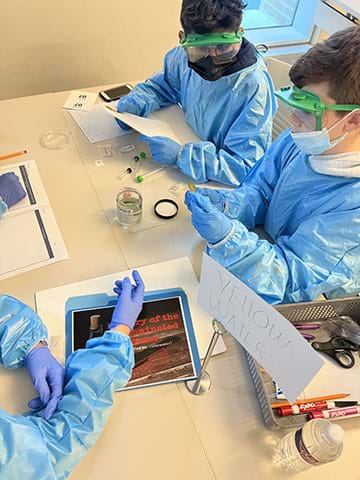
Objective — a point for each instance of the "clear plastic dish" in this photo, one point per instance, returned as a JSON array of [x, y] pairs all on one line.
[[54, 140]]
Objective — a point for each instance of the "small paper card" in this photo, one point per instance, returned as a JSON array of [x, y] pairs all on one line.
[[78, 100], [268, 336]]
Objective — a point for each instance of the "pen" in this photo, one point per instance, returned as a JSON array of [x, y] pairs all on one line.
[[336, 413], [307, 326], [305, 408], [335, 396], [349, 403], [313, 407], [308, 337], [12, 155]]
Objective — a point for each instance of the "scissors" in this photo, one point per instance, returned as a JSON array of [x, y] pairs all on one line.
[[340, 349]]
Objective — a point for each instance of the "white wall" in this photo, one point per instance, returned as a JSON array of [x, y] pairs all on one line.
[[59, 45]]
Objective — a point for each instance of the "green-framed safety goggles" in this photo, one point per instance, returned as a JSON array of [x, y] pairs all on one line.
[[206, 39], [310, 103], [222, 47]]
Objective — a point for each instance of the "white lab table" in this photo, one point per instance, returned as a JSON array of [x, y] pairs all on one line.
[[157, 433]]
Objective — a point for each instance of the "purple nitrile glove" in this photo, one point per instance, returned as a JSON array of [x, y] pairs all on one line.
[[130, 301], [11, 190], [211, 224], [127, 104], [163, 150], [48, 377]]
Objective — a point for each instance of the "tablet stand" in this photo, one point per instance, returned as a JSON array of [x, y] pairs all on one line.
[[202, 385]]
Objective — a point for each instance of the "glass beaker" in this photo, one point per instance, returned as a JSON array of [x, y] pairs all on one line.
[[129, 207]]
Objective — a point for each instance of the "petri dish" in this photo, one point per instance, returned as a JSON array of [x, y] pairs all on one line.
[[55, 140]]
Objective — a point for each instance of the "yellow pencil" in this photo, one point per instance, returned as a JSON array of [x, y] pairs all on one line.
[[335, 396], [12, 155]]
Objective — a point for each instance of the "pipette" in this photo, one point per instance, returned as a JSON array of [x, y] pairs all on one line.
[[124, 173], [141, 178]]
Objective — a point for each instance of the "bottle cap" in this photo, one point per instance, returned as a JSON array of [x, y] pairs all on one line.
[[334, 433], [142, 155]]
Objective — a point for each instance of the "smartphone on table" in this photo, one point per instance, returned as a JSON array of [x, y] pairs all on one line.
[[115, 93]]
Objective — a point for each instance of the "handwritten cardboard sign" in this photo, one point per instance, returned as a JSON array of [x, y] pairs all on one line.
[[259, 328]]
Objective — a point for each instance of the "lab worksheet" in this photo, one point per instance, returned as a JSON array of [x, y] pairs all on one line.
[[29, 235], [97, 125], [147, 126]]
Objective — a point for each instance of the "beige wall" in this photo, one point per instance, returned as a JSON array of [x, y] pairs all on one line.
[[59, 45]]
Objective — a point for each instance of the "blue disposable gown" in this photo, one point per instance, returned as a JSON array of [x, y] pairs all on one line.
[[33, 448], [233, 116], [313, 220]]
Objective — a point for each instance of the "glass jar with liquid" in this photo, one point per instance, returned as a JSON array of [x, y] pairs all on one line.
[[129, 207]]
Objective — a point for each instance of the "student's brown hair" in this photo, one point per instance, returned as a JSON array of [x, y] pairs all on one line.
[[337, 61]]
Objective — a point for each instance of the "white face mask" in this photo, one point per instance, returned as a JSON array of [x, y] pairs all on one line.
[[317, 142]]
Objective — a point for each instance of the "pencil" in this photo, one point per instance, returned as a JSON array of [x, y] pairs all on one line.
[[12, 155], [335, 396]]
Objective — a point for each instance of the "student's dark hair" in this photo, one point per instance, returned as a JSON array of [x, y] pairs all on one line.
[[337, 61], [206, 16]]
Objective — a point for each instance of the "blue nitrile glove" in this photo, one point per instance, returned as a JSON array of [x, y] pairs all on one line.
[[11, 190], [127, 104], [163, 150], [216, 197], [211, 224], [130, 301], [48, 377]]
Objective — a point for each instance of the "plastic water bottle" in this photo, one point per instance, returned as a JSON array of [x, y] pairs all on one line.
[[316, 443]]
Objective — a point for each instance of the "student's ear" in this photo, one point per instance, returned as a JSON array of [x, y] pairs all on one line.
[[353, 121]]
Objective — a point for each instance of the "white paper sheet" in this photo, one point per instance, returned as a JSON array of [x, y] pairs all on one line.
[[81, 101], [29, 235], [146, 126], [50, 304], [259, 328], [97, 125]]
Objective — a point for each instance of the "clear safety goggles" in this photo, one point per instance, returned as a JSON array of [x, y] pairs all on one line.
[[222, 47], [308, 109], [300, 118]]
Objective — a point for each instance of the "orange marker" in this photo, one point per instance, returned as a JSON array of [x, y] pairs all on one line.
[[12, 155], [335, 396]]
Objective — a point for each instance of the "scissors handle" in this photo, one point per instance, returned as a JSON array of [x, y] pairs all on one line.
[[345, 343], [340, 349], [344, 358]]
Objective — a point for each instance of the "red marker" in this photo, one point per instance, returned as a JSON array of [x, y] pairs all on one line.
[[336, 413], [305, 408]]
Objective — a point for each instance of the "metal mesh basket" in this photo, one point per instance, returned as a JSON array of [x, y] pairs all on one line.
[[319, 312]]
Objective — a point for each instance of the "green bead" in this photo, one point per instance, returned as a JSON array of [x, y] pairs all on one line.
[[139, 179]]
